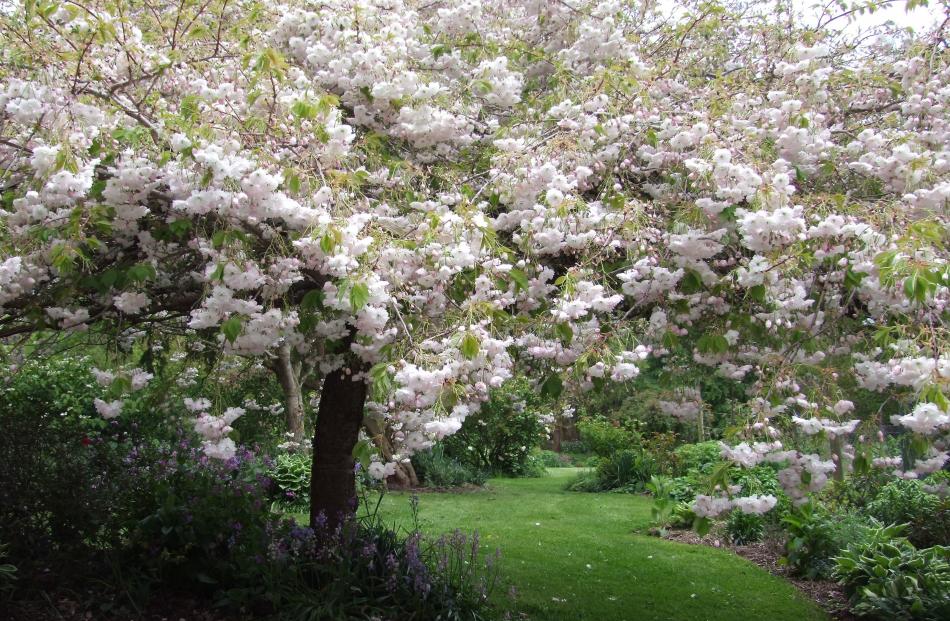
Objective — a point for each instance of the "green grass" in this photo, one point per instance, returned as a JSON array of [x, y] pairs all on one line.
[[575, 556]]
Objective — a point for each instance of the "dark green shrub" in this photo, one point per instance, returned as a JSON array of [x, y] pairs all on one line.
[[533, 467], [815, 537], [743, 528], [627, 469], [854, 492], [61, 480], [886, 577], [907, 502], [585, 482], [701, 457], [685, 488], [661, 447], [436, 469], [501, 436], [604, 437], [191, 520]]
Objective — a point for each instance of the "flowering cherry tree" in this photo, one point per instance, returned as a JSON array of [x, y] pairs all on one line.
[[405, 203]]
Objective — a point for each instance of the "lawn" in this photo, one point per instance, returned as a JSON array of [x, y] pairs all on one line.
[[575, 556]]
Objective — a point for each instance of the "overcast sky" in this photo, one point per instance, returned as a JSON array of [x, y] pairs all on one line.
[[897, 12]]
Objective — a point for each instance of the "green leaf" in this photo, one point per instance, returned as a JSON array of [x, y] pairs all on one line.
[[691, 283], [140, 273], [363, 453], [179, 227], [95, 192], [651, 138], [702, 525], [231, 328], [359, 296], [313, 299], [712, 344], [469, 347], [552, 387], [381, 381], [189, 108], [933, 394], [205, 578], [293, 182], [852, 279], [218, 273], [757, 293], [303, 109], [564, 332], [519, 278], [328, 241]]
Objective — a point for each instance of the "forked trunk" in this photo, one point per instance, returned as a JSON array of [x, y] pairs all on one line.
[[405, 475], [336, 432]]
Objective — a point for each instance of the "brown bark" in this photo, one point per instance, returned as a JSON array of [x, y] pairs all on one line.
[[336, 432], [289, 376]]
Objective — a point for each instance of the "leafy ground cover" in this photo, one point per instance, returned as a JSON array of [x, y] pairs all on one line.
[[581, 556]]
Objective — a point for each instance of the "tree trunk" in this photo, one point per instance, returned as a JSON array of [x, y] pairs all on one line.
[[837, 450], [405, 475], [339, 418], [289, 377]]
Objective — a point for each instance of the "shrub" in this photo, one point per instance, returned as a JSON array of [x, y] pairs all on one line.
[[815, 537], [763, 480], [577, 447], [888, 578], [605, 438], [436, 469], [660, 447], [192, 520], [682, 516], [685, 488], [52, 388], [626, 469], [500, 437], [701, 457], [60, 483], [907, 502], [364, 570], [534, 467], [854, 492], [585, 482], [743, 528], [550, 459]]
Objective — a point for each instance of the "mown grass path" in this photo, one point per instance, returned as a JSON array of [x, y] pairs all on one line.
[[575, 557]]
